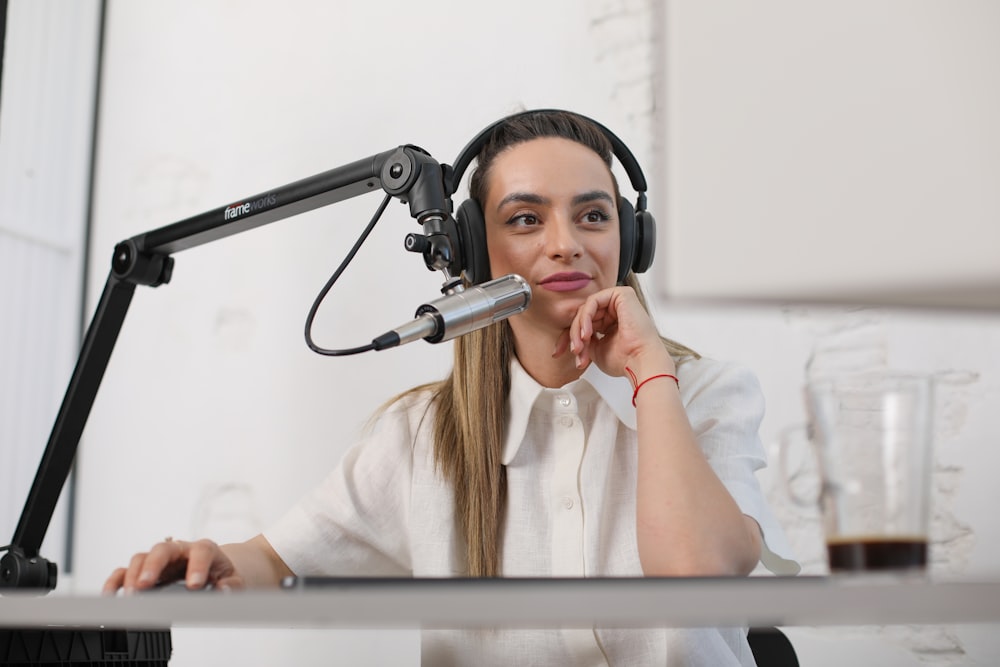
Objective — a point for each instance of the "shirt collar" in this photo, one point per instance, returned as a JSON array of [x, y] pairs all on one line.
[[616, 392]]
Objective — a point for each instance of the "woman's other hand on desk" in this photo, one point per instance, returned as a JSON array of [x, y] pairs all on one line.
[[201, 563], [197, 563]]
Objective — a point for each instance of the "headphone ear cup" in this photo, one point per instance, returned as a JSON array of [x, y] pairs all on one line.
[[627, 233], [475, 260], [645, 242]]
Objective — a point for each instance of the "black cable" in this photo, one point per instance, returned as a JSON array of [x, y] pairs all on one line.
[[3, 39], [329, 283]]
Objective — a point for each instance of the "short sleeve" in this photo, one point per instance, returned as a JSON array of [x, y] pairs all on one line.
[[355, 521], [725, 406]]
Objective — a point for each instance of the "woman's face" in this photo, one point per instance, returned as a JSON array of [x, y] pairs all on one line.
[[551, 217]]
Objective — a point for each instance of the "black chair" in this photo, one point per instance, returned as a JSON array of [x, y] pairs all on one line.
[[771, 648]]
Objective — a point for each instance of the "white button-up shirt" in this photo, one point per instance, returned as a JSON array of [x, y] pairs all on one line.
[[571, 456]]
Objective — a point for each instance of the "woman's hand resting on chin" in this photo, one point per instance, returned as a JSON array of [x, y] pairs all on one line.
[[613, 330]]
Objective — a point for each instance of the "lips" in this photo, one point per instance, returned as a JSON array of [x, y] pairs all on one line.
[[565, 282]]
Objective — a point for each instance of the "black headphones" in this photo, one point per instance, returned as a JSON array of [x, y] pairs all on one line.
[[638, 229]]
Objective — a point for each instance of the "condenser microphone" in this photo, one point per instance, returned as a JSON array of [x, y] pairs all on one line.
[[462, 312]]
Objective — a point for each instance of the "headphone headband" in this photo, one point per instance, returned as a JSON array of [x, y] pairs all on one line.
[[471, 150]]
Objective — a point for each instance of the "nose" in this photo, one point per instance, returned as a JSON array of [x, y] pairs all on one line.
[[562, 240]]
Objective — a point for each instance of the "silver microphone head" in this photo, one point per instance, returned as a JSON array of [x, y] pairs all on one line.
[[477, 306], [462, 312]]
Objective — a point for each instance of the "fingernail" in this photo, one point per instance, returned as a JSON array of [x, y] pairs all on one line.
[[145, 577], [128, 590], [196, 580]]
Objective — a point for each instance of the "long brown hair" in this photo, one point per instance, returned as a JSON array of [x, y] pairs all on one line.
[[470, 404]]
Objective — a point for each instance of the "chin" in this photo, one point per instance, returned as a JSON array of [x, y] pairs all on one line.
[[563, 313]]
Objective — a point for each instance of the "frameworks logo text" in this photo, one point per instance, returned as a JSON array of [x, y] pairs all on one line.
[[236, 210]]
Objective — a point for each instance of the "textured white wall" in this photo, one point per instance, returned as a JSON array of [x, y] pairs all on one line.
[[214, 416]]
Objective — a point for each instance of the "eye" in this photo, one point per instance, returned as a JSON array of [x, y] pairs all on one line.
[[595, 216], [524, 220]]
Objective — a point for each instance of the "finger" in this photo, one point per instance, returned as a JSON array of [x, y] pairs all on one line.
[[597, 313], [589, 321], [581, 327], [132, 572], [164, 563], [582, 354], [202, 558], [230, 583], [114, 582], [584, 319]]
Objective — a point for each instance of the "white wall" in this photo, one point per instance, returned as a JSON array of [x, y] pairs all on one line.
[[863, 135], [214, 416]]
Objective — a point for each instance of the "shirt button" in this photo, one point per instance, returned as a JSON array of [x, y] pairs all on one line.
[[567, 502], [566, 421], [564, 401]]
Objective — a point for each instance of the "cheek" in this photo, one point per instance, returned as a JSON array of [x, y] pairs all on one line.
[[608, 256], [502, 262], [505, 256], [494, 251]]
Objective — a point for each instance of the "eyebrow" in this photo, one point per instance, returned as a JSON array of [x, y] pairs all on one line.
[[593, 195], [523, 198], [531, 198]]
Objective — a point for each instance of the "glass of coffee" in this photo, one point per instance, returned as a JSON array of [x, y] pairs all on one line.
[[872, 434]]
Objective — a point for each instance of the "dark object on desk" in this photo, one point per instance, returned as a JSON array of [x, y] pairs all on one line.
[[68, 648], [771, 648]]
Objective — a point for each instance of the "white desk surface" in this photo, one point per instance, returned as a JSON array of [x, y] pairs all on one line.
[[455, 603]]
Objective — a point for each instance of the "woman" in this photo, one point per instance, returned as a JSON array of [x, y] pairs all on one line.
[[570, 440]]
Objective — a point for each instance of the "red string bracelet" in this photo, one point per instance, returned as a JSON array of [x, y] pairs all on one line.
[[638, 385]]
